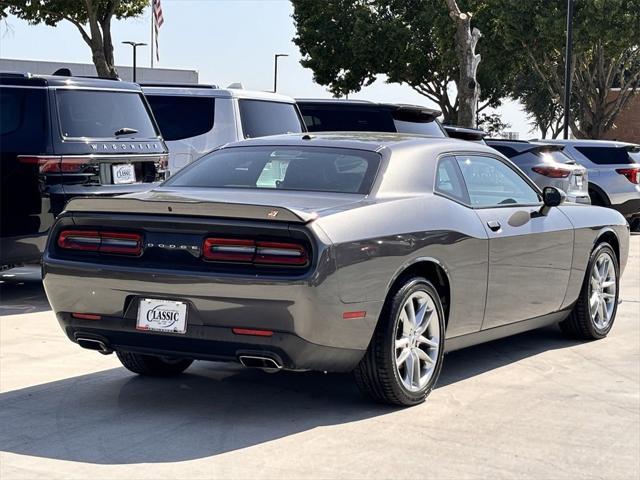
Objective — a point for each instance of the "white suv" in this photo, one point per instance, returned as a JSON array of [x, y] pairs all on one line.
[[195, 119]]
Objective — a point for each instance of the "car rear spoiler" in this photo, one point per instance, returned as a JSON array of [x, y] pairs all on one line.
[[184, 207]]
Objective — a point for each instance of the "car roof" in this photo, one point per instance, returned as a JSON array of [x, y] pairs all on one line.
[[521, 146], [213, 91], [371, 141], [28, 79], [591, 143], [340, 102]]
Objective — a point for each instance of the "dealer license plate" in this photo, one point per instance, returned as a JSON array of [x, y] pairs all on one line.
[[162, 316], [123, 173]]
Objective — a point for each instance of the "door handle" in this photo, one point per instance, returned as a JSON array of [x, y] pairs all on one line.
[[494, 225]]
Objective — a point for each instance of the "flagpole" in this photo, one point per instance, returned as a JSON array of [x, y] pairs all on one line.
[[151, 43]]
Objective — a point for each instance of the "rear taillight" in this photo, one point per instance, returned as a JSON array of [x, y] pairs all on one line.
[[120, 243], [56, 164], [552, 172], [632, 174], [256, 252]]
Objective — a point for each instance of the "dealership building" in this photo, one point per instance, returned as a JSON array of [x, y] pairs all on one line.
[[143, 74]]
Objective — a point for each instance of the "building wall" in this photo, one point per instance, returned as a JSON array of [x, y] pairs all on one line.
[[144, 74], [627, 124]]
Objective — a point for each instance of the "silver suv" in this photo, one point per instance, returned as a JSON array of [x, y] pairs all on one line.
[[195, 119], [614, 173], [547, 165]]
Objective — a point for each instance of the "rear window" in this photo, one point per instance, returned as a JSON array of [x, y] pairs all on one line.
[[317, 169], [261, 118], [346, 119], [23, 120], [431, 128], [606, 155], [100, 114], [182, 117]]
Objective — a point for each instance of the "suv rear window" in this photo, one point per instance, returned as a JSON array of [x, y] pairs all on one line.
[[23, 120], [261, 118], [606, 155], [346, 119], [431, 128], [317, 169], [99, 114], [180, 117]]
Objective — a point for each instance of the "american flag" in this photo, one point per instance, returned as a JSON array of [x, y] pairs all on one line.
[[158, 20]]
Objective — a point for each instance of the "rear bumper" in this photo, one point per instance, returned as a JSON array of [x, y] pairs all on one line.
[[213, 343], [305, 312]]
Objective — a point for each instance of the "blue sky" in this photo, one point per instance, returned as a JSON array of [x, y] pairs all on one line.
[[226, 41]]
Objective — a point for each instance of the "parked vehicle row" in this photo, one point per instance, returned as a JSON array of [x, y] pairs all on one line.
[[63, 137], [366, 252]]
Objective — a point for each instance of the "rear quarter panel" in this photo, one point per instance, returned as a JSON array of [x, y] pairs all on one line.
[[590, 224], [375, 243]]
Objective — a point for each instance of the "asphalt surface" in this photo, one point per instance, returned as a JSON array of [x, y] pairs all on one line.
[[530, 406]]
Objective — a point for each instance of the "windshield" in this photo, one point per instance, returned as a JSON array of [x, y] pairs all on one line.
[[103, 114], [316, 169]]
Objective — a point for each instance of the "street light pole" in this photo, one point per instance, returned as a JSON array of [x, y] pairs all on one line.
[[275, 70], [567, 69], [135, 45]]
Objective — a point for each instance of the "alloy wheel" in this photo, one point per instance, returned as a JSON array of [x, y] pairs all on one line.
[[602, 290], [417, 341]]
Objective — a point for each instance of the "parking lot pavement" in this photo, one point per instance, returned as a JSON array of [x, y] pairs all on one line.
[[531, 406]]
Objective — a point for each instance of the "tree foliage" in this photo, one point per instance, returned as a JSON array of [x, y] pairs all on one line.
[[92, 18], [348, 43], [606, 54], [493, 124]]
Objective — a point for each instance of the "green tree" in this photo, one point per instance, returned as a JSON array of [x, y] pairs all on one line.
[[493, 124], [544, 111], [606, 54], [92, 18], [348, 43]]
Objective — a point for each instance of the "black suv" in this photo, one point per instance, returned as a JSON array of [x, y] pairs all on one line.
[[331, 115], [62, 137]]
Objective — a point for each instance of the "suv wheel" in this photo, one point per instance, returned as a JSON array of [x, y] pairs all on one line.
[[595, 311], [153, 366], [404, 359]]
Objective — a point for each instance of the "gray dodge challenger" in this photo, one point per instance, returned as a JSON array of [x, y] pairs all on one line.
[[371, 253]]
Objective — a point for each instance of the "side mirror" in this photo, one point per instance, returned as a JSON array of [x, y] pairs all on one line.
[[551, 197]]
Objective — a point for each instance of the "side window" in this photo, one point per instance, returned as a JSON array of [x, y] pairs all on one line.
[[181, 117], [23, 120], [261, 118], [449, 180], [491, 182]]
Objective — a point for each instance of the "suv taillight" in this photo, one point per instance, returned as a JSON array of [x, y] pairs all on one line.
[[256, 252], [120, 243], [632, 174], [55, 163], [552, 172]]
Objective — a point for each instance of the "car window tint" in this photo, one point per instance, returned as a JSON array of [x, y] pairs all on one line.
[[182, 117], [261, 118], [431, 128], [23, 120], [449, 180], [606, 155], [491, 182], [346, 118], [283, 168], [99, 114]]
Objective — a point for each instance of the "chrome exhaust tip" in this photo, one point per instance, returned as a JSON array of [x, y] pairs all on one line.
[[93, 344], [267, 364]]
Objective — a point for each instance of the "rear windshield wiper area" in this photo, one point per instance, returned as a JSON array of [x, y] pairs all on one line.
[[125, 131]]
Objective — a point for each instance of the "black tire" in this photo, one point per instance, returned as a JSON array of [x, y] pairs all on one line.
[[153, 366], [377, 375], [579, 323]]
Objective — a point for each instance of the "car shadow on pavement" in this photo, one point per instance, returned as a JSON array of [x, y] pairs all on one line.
[[113, 417], [21, 291]]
